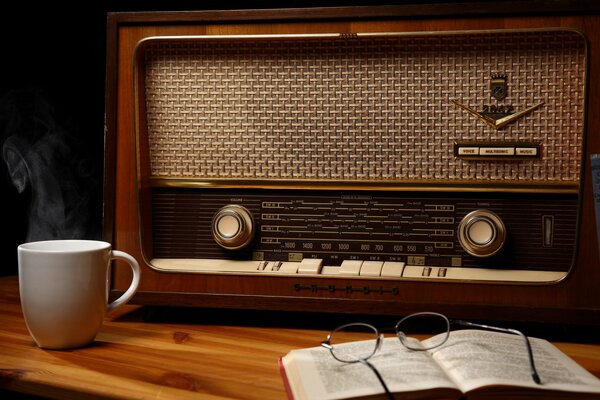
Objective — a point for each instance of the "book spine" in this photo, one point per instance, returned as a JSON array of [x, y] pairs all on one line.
[[286, 382]]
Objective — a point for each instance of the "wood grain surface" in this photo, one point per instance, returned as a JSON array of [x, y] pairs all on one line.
[[128, 225], [179, 353]]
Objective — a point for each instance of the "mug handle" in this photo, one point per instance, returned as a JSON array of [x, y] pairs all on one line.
[[135, 281]]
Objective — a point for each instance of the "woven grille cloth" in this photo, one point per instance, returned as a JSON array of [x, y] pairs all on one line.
[[366, 109]]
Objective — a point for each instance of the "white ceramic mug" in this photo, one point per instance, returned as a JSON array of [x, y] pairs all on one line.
[[64, 287]]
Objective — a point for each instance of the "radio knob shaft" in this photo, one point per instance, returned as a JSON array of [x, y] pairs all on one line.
[[233, 227], [481, 233]]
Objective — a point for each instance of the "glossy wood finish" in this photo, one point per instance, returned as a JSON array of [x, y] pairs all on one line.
[[574, 299], [178, 354]]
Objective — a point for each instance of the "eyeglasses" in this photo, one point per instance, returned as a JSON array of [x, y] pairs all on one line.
[[435, 322]]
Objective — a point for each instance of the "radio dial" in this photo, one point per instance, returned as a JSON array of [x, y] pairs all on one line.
[[233, 227], [481, 233]]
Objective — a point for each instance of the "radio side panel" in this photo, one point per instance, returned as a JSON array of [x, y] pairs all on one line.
[[151, 214]]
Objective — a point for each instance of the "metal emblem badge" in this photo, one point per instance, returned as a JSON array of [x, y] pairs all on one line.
[[499, 86], [498, 116]]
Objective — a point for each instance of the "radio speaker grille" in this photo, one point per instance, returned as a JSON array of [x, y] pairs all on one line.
[[361, 108]]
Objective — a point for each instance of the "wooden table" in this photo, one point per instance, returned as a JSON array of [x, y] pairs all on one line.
[[169, 353]]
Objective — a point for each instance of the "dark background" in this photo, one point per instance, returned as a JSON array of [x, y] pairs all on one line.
[[53, 56], [52, 62]]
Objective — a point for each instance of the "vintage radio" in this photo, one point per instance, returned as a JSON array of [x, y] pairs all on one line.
[[366, 160]]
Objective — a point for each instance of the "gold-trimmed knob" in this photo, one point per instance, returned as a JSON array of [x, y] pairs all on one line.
[[481, 233], [233, 227]]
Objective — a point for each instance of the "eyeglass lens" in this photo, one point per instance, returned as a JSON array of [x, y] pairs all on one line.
[[423, 331], [354, 342]]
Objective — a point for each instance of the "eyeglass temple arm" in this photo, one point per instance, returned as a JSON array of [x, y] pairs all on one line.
[[325, 343], [387, 391], [534, 373]]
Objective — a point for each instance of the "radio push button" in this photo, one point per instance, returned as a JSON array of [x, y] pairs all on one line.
[[289, 267], [233, 227], [393, 269], [371, 268], [310, 266], [351, 267], [481, 233]]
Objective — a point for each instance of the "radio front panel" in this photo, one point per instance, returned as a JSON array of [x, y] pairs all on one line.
[[437, 164], [386, 111], [337, 230]]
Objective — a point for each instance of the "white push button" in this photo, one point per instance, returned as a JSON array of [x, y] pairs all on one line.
[[392, 269], [289, 267], [310, 266], [351, 267], [481, 232], [496, 151], [527, 151], [330, 270], [468, 151], [371, 268]]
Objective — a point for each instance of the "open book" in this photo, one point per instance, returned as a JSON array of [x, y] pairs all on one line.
[[471, 364]]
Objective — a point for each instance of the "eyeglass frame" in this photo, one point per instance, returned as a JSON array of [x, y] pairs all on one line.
[[326, 343]]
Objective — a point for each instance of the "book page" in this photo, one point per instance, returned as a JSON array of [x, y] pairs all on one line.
[[478, 358], [323, 377]]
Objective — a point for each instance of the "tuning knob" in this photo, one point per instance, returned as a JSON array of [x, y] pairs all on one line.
[[233, 227], [481, 233]]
